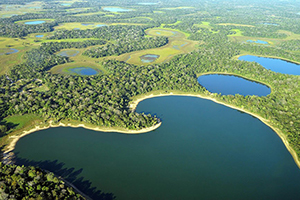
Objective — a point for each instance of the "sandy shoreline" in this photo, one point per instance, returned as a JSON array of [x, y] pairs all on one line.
[[134, 104], [7, 155]]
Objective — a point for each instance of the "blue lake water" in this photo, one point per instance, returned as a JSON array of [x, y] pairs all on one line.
[[270, 24], [184, 44], [39, 36], [202, 150], [65, 4], [276, 65], [258, 41], [116, 9], [229, 84], [149, 58], [69, 53], [76, 29], [34, 22], [8, 51], [101, 25], [84, 71], [176, 47]]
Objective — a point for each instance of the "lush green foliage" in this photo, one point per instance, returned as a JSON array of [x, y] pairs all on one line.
[[103, 100], [19, 182], [122, 46]]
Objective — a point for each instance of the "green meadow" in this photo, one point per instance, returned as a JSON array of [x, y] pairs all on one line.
[[177, 44]]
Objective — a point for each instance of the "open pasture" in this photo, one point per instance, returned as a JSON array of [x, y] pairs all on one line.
[[67, 68], [178, 44]]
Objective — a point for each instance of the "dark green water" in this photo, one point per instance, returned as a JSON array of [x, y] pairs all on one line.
[[202, 150]]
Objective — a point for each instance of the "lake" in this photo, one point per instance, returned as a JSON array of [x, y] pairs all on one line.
[[8, 51], [276, 65], [100, 25], [202, 150], [68, 53], [39, 36], [84, 71], [116, 9], [229, 84], [258, 41], [149, 58], [34, 22]]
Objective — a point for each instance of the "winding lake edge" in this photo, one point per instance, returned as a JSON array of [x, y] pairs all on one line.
[[236, 75], [8, 154], [265, 56]]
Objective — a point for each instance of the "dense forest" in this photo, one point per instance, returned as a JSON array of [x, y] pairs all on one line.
[[20, 182], [103, 100]]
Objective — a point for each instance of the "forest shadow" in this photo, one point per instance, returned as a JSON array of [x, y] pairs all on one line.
[[6, 127], [69, 174]]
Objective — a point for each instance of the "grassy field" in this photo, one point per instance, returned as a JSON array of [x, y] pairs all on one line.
[[238, 37], [238, 32], [9, 10], [178, 44], [231, 24], [22, 45], [207, 26], [32, 20], [64, 69], [92, 13], [174, 8], [78, 61], [91, 25]]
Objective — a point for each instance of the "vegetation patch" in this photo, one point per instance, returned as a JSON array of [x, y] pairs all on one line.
[[70, 68], [177, 44], [31, 20], [232, 24]]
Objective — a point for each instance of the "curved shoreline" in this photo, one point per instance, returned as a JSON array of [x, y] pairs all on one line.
[[7, 154], [134, 104]]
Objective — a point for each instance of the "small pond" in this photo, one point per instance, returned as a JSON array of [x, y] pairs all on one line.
[[65, 4], [34, 22], [76, 29], [69, 53], [276, 65], [116, 9], [229, 84], [39, 36], [176, 47], [100, 25], [258, 41], [84, 71], [149, 58], [8, 51], [8, 15], [270, 24], [184, 44]]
